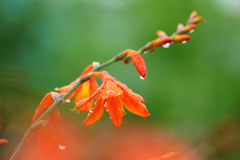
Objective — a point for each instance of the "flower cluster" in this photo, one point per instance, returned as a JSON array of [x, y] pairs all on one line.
[[180, 35], [84, 90], [112, 95]]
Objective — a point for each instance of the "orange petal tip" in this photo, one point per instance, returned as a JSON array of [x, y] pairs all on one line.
[[3, 141]]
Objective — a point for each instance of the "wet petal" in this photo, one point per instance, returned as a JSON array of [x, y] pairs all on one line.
[[115, 110], [129, 92], [96, 113], [134, 106]]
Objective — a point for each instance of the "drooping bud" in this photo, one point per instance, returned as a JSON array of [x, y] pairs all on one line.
[[181, 38], [138, 62]]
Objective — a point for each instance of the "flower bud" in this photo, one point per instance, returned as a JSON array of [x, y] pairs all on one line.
[[187, 28], [181, 38], [161, 34]]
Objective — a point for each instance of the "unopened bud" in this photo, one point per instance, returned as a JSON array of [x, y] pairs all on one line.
[[180, 27], [197, 19], [187, 28], [181, 38], [161, 34]]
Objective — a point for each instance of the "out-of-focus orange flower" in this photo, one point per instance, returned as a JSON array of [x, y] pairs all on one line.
[[3, 141], [84, 90], [113, 95], [49, 134]]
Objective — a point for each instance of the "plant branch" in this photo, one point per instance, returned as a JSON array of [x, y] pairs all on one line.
[[83, 79]]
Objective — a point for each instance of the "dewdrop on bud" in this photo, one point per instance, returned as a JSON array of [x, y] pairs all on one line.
[[95, 64], [183, 42], [167, 45]]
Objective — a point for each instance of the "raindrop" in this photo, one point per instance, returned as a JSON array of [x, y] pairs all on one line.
[[142, 77], [68, 101], [62, 147], [192, 30], [167, 45], [90, 110], [107, 110], [184, 42]]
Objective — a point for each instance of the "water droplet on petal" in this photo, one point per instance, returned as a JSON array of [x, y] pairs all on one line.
[[90, 110], [183, 42], [68, 101], [107, 110], [142, 77], [167, 45], [192, 30], [62, 147]]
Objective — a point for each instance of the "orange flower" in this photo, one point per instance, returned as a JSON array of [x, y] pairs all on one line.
[[113, 95], [84, 90], [49, 134]]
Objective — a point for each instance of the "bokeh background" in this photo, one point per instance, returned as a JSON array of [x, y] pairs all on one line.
[[192, 90]]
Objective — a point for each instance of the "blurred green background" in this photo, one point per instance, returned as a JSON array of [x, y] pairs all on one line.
[[192, 90]]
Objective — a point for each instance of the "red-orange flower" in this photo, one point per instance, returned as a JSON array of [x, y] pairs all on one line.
[[84, 90], [113, 95], [49, 134]]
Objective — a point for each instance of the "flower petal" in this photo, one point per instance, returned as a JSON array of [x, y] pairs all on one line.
[[82, 92], [128, 91], [115, 110], [51, 135], [96, 113], [82, 105], [132, 105]]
